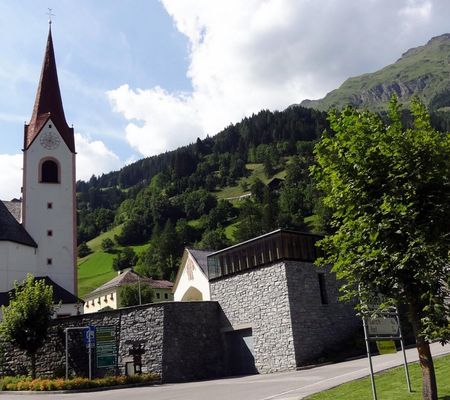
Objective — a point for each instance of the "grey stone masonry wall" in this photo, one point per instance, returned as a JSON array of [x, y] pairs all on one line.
[[192, 343], [258, 298], [167, 332], [317, 328]]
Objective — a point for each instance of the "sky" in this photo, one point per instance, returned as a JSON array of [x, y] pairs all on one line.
[[139, 77]]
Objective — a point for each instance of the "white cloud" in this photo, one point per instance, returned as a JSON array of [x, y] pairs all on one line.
[[259, 54], [10, 176], [94, 158]]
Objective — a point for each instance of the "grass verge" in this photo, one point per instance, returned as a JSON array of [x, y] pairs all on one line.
[[391, 384]]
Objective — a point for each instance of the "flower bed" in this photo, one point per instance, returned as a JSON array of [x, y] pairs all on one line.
[[43, 384]]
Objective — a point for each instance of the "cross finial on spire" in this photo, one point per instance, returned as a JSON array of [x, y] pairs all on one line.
[[50, 15]]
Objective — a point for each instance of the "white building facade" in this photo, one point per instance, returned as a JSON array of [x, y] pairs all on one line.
[[41, 240]]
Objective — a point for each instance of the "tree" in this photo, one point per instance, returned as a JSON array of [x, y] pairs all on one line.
[[27, 317], [389, 189], [126, 258], [214, 239], [108, 245], [129, 294], [83, 250]]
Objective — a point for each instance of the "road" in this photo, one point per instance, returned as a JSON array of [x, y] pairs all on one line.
[[280, 386]]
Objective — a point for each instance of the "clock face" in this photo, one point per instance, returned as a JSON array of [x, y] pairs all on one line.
[[50, 141]]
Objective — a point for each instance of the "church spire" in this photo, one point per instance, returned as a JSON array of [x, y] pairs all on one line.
[[48, 103]]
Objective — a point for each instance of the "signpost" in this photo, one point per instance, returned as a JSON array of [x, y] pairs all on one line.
[[383, 329], [88, 338]]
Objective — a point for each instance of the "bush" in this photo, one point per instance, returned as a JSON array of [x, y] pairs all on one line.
[[9, 383]]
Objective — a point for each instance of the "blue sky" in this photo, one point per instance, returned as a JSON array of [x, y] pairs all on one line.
[[139, 77]]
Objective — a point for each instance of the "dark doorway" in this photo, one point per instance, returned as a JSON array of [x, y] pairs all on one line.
[[240, 352]]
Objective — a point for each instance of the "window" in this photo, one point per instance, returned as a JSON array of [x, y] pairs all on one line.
[[49, 261], [322, 288], [49, 125], [158, 295], [49, 172], [49, 232], [166, 296], [49, 206]]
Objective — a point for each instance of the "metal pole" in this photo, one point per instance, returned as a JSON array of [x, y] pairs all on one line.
[[139, 285], [369, 357], [67, 353], [405, 362], [90, 358]]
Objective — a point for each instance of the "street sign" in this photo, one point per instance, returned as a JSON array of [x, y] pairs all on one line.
[[386, 347], [106, 346], [89, 336], [382, 326]]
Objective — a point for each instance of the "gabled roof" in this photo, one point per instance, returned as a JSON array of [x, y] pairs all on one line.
[[200, 257], [48, 103], [59, 293], [11, 230], [130, 277], [15, 208]]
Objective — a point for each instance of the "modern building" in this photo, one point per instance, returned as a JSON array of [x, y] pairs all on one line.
[[278, 310], [109, 295], [38, 234]]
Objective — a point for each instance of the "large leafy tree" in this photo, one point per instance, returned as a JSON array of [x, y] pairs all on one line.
[[135, 294], [27, 317], [389, 189]]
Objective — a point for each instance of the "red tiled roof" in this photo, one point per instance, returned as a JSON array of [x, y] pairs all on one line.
[[48, 103]]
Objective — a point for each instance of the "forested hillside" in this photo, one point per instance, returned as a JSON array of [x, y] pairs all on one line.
[[179, 198]]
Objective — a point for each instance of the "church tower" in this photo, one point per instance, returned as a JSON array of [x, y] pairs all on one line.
[[49, 204]]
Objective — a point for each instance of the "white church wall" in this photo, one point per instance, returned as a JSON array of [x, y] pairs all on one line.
[[16, 262], [49, 210], [191, 277]]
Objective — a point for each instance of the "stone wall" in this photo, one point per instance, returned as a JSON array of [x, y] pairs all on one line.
[[258, 298], [282, 305], [317, 328], [180, 342]]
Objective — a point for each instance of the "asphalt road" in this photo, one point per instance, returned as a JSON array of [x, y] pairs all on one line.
[[280, 386]]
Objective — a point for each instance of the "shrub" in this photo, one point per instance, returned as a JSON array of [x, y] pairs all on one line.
[[25, 383]]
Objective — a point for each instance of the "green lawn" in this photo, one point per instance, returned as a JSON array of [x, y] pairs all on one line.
[[391, 385], [96, 269], [256, 171]]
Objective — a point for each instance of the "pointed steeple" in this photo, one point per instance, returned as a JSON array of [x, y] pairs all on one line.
[[48, 103]]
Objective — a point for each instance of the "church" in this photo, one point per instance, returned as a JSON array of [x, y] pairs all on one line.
[[38, 232]]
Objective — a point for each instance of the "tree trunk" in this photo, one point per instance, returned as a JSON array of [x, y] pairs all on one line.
[[33, 365], [429, 386]]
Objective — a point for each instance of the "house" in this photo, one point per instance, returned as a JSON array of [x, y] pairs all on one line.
[[108, 296], [278, 310], [38, 233], [191, 282]]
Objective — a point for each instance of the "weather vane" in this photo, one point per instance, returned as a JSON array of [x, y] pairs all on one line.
[[50, 15]]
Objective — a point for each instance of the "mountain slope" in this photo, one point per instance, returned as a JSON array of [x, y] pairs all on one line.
[[422, 70]]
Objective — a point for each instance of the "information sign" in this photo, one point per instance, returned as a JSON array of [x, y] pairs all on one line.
[[382, 326], [106, 346], [89, 336], [386, 347]]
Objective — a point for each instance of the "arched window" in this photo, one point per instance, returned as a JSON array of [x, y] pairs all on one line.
[[49, 172]]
